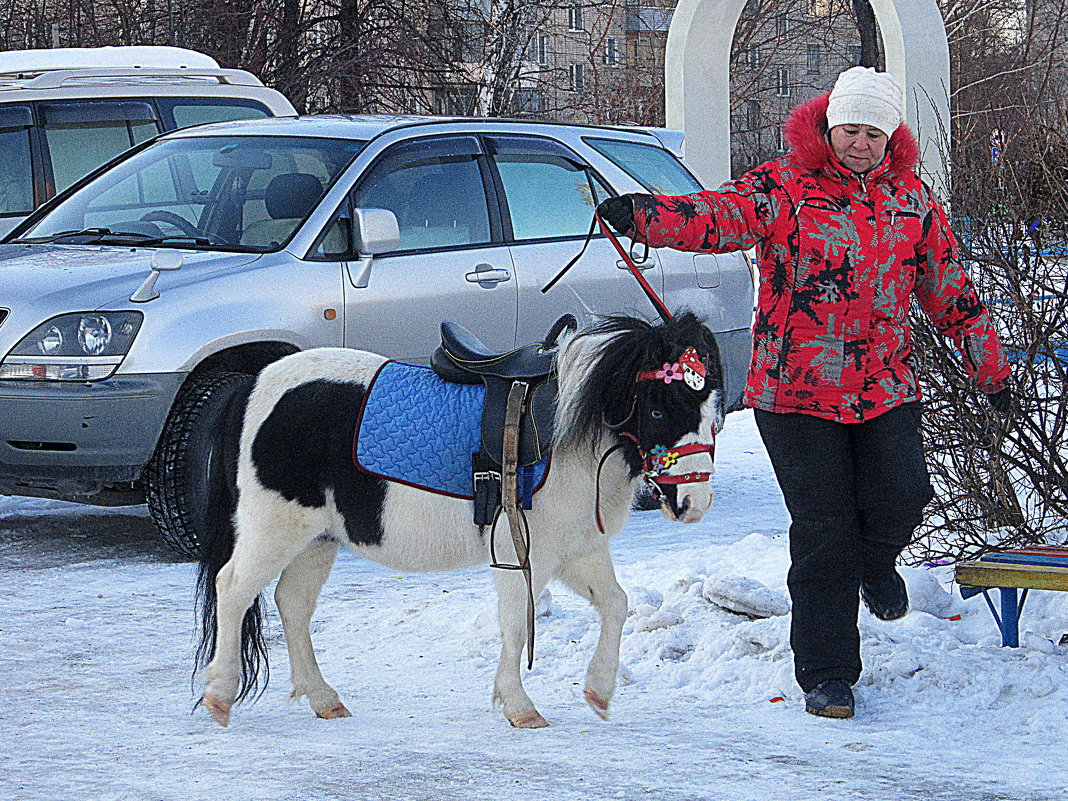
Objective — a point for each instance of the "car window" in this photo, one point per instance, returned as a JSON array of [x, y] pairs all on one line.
[[434, 187], [16, 175], [195, 111], [655, 168], [249, 193], [549, 192], [82, 135]]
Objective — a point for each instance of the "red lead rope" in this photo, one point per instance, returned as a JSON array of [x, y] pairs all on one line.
[[650, 293]]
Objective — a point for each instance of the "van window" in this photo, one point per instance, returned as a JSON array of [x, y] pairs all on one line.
[[16, 176], [549, 192], [435, 188], [652, 166], [184, 112], [82, 135]]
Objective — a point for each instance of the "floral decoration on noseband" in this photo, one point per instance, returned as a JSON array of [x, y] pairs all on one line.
[[660, 459]]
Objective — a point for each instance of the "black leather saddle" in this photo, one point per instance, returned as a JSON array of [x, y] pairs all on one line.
[[464, 359]]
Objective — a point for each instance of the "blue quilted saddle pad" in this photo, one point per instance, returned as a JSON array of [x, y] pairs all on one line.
[[422, 431]]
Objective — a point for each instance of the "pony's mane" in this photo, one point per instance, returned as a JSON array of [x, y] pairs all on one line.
[[597, 368]]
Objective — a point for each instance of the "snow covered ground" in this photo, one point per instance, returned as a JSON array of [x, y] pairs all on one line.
[[95, 698]]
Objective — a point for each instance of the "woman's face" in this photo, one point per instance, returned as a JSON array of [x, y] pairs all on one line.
[[859, 147]]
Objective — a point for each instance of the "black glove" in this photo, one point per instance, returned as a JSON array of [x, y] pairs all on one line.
[[618, 212], [1001, 402]]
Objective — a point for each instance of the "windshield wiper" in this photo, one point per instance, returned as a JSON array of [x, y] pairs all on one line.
[[99, 235], [166, 240]]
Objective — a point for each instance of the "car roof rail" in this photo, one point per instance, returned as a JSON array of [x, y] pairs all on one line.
[[54, 79]]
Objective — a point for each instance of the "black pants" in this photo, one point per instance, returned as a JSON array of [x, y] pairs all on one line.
[[855, 492]]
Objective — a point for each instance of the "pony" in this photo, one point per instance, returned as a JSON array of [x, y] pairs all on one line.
[[626, 409]]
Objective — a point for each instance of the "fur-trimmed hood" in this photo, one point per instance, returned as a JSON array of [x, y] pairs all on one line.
[[805, 131]]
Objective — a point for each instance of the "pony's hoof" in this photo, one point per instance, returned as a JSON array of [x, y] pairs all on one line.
[[337, 710], [220, 710], [597, 704], [529, 720]]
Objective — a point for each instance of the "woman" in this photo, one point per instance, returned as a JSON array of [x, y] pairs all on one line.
[[847, 237]]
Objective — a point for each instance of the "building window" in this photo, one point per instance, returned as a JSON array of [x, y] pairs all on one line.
[[577, 74], [780, 141], [782, 84], [782, 25], [574, 19], [854, 55], [752, 115], [611, 51], [813, 59], [752, 59], [527, 101], [542, 49]]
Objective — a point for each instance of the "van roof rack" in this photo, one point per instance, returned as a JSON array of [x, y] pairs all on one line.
[[30, 62]]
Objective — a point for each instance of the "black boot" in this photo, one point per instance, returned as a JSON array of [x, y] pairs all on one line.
[[830, 699], [886, 597]]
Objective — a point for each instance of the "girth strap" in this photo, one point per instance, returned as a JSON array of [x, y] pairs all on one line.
[[517, 395]]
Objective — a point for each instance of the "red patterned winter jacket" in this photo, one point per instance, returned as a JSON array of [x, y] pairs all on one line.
[[840, 256]]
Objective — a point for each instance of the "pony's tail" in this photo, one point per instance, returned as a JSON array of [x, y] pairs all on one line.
[[216, 548]]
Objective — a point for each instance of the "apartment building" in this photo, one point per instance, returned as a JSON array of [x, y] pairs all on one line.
[[603, 62]]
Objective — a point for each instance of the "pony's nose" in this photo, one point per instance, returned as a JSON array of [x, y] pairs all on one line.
[[691, 509]]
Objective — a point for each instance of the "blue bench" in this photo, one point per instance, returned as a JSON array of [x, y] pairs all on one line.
[[1035, 568]]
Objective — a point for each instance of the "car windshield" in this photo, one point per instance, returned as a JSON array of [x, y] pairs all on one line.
[[247, 193]]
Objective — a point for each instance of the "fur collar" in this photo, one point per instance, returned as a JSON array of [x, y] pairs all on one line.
[[805, 131]]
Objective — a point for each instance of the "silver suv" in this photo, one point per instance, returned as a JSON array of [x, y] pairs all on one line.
[[65, 112], [139, 301]]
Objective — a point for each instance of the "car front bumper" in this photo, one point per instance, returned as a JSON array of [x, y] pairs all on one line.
[[67, 440]]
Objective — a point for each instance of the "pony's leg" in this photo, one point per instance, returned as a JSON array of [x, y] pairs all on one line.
[[266, 543], [296, 595], [592, 575], [512, 613]]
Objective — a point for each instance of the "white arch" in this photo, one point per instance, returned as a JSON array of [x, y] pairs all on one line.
[[697, 68]]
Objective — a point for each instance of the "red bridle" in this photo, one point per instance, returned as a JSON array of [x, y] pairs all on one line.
[[660, 458]]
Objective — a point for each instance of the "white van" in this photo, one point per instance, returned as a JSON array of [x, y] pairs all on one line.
[[64, 112]]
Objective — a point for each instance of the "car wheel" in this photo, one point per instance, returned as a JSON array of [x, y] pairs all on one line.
[[191, 475]]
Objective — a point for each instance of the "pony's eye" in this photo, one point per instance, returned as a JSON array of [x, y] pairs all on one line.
[[656, 414]]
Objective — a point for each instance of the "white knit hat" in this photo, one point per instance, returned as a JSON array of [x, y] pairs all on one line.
[[862, 96]]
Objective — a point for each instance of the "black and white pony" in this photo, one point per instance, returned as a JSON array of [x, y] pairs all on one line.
[[621, 389]]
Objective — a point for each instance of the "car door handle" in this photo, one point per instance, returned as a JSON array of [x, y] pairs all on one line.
[[486, 274], [645, 265]]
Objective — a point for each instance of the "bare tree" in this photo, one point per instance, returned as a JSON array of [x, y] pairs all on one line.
[[1001, 484]]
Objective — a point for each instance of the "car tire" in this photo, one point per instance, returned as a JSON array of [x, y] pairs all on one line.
[[196, 459]]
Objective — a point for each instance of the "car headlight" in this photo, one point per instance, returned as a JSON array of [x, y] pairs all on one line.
[[84, 346]]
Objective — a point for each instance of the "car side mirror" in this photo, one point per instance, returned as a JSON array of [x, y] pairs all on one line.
[[374, 231]]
